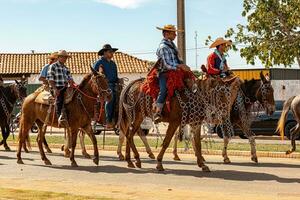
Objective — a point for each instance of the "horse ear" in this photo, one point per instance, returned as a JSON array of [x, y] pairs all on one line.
[[263, 78], [94, 71], [17, 82]]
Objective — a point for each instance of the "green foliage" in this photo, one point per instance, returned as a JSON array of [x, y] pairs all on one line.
[[197, 73], [272, 32]]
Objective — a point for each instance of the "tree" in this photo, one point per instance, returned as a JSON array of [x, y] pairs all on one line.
[[272, 33]]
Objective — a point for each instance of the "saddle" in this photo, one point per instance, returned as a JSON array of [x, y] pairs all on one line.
[[46, 98]]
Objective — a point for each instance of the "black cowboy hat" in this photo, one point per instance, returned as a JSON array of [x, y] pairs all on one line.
[[106, 47]]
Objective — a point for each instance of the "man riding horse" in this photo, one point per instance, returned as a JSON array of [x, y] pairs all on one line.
[[216, 61], [168, 53], [59, 77], [108, 67]]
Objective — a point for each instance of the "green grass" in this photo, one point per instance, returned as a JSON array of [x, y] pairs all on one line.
[[40, 195], [213, 145]]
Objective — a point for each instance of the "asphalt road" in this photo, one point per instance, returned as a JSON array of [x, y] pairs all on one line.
[[272, 178]]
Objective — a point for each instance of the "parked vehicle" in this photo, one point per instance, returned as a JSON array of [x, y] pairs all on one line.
[[265, 125], [15, 121]]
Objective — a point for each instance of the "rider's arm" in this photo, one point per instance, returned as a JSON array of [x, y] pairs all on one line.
[[98, 66], [211, 65]]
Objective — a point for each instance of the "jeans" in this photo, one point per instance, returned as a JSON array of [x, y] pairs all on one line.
[[111, 105], [60, 100], [162, 95]]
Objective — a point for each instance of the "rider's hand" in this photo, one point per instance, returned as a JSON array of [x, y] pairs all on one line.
[[183, 67]]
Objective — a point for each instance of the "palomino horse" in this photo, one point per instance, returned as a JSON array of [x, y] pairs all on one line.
[[8, 97], [212, 101], [292, 104], [251, 91], [93, 87]]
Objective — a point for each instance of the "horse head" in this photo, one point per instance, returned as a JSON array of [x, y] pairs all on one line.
[[265, 95], [100, 85], [20, 89]]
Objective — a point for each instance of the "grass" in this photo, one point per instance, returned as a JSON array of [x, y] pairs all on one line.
[[40, 195], [213, 145]]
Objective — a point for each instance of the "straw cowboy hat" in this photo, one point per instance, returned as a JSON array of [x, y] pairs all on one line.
[[53, 55], [220, 41], [169, 27], [106, 47], [63, 53]]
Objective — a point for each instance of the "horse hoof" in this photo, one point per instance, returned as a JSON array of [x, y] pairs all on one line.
[[96, 161], [205, 168], [227, 161], [20, 161], [176, 158], [67, 154], [48, 150], [254, 159], [74, 164], [130, 165], [138, 164], [7, 149], [160, 167], [121, 157], [86, 155], [26, 150], [47, 162], [203, 159], [289, 152], [152, 156]]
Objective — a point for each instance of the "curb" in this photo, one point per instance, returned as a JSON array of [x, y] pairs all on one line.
[[267, 154]]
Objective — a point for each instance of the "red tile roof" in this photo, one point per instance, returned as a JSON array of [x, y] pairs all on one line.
[[11, 63]]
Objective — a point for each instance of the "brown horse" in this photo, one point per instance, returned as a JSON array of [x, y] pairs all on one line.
[[136, 105], [79, 112], [292, 104], [252, 91]]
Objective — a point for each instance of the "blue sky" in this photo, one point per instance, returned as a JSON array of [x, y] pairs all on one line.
[[85, 25]]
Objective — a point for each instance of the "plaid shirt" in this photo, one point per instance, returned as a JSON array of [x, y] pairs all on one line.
[[168, 52], [59, 73]]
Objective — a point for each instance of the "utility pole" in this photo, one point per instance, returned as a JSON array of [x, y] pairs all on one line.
[[181, 27], [196, 48]]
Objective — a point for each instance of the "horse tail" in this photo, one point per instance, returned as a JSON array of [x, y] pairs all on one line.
[[283, 117]]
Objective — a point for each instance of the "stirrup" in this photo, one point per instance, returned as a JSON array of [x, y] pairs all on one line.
[[157, 117]]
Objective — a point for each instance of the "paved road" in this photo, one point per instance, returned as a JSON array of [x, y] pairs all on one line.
[[271, 179]]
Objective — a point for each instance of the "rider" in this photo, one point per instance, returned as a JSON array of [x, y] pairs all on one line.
[[59, 77], [168, 52], [216, 61], [43, 75], [106, 65]]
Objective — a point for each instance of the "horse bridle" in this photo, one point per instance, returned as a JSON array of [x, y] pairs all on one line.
[[264, 89], [101, 91]]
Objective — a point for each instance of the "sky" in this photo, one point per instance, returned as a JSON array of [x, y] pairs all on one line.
[[86, 25]]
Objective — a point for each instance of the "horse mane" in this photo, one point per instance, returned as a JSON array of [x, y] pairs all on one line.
[[85, 81], [248, 88]]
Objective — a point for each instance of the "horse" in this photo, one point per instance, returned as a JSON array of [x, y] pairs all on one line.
[[293, 104], [212, 102], [251, 91], [8, 97], [93, 88]]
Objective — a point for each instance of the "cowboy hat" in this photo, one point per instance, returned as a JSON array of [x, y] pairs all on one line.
[[220, 41], [53, 55], [169, 27], [106, 47], [63, 53]]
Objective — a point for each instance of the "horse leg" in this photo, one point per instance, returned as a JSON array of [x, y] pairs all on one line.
[[66, 146], [128, 156], [5, 136], [294, 135], [130, 138], [2, 131], [40, 141], [145, 141], [253, 149], [121, 142], [198, 150], [81, 135], [172, 127], [25, 126], [47, 146], [92, 136], [176, 138], [73, 139], [224, 152]]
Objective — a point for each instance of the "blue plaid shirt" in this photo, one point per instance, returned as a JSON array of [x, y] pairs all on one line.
[[59, 73], [168, 52]]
